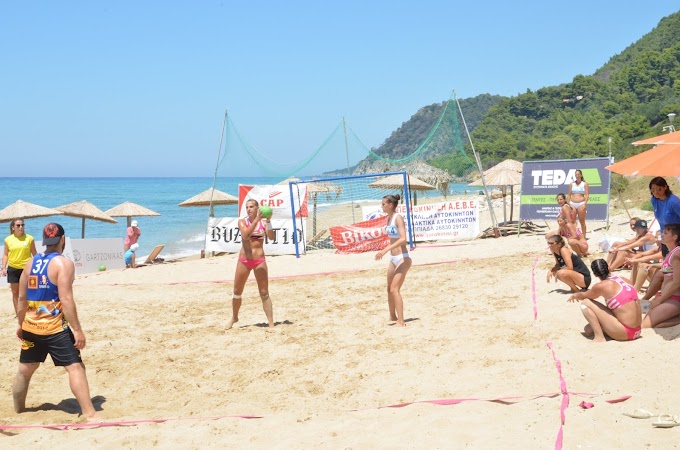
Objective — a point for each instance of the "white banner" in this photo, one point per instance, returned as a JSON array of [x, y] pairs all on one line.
[[88, 254], [276, 196], [223, 235], [451, 220]]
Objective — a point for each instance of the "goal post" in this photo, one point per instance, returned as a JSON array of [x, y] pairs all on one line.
[[344, 213]]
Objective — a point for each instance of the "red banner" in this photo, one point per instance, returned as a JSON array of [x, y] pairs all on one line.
[[361, 237]]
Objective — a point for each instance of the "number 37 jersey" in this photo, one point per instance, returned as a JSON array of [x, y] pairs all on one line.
[[44, 315]]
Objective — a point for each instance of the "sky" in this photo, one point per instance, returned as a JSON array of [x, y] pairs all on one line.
[[140, 88]]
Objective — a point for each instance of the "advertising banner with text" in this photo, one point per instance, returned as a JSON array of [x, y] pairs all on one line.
[[223, 235], [88, 254], [450, 220], [543, 180], [276, 196], [360, 237]]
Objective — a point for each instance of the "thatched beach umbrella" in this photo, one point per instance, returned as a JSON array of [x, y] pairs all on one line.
[[434, 176], [210, 197], [397, 182], [129, 210], [507, 173], [322, 187], [85, 210], [25, 210]]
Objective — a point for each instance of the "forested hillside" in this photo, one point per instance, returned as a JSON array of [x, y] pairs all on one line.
[[627, 99]]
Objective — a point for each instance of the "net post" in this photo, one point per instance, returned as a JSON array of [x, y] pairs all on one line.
[[292, 210], [407, 194]]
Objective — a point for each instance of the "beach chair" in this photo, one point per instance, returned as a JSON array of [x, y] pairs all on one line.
[[151, 259], [314, 242]]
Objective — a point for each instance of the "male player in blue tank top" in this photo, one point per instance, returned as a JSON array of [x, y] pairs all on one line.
[[48, 321]]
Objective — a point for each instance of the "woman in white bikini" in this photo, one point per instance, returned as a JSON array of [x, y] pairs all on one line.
[[400, 261], [579, 191], [254, 227]]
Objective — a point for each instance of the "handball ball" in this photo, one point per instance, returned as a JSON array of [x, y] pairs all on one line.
[[102, 268], [266, 211]]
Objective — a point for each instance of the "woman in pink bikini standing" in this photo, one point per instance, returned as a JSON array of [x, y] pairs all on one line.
[[664, 309], [621, 318], [579, 191], [253, 230]]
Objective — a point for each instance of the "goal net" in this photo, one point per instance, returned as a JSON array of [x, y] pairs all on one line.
[[345, 213]]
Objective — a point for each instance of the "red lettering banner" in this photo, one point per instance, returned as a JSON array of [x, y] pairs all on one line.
[[360, 237]]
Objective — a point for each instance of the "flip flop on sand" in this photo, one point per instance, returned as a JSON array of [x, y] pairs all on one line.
[[640, 414], [666, 421]]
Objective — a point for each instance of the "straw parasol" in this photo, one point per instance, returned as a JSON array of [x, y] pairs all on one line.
[[129, 210], [25, 210], [85, 210], [322, 187], [210, 197], [397, 182], [507, 173]]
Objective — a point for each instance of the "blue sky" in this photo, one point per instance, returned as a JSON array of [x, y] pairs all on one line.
[[139, 88]]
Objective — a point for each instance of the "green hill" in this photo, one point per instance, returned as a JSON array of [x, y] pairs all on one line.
[[626, 99]]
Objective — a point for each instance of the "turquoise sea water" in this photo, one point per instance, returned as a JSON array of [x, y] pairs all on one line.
[[180, 229]]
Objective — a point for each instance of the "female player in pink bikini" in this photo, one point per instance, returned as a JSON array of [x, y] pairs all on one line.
[[253, 230], [400, 261], [664, 309], [622, 317]]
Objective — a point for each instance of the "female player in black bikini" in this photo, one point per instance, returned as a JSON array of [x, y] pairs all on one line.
[[400, 261], [253, 230]]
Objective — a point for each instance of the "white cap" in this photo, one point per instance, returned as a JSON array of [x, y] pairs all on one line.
[[134, 223], [134, 247]]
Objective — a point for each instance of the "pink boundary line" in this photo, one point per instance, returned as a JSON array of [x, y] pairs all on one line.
[[75, 426], [441, 402]]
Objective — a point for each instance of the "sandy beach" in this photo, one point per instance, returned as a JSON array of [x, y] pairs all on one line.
[[482, 325]]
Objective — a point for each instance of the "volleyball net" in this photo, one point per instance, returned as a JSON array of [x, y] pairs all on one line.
[[345, 213], [433, 136]]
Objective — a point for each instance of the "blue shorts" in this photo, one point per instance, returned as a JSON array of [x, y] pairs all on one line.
[[35, 347]]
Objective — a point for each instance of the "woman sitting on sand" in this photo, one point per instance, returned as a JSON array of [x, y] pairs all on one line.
[[574, 236], [664, 309], [400, 261], [643, 241], [569, 267], [566, 210], [253, 230], [622, 317]]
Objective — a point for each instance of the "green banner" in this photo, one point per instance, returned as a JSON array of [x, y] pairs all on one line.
[[594, 199]]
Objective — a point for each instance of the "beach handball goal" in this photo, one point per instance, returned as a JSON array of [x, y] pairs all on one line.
[[345, 213]]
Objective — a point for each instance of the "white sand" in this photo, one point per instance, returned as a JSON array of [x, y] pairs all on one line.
[[157, 350]]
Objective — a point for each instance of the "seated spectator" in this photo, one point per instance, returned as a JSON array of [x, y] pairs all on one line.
[[664, 309], [575, 238], [621, 318], [569, 267], [566, 210], [642, 241], [130, 258], [645, 264]]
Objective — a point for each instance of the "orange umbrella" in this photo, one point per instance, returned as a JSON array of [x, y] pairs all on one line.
[[662, 161], [668, 138]]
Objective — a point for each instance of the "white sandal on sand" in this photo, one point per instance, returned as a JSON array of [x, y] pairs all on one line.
[[666, 421], [640, 414]]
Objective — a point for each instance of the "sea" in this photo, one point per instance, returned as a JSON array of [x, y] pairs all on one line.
[[180, 229]]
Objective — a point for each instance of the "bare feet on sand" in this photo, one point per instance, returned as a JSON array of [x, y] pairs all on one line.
[[231, 323]]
